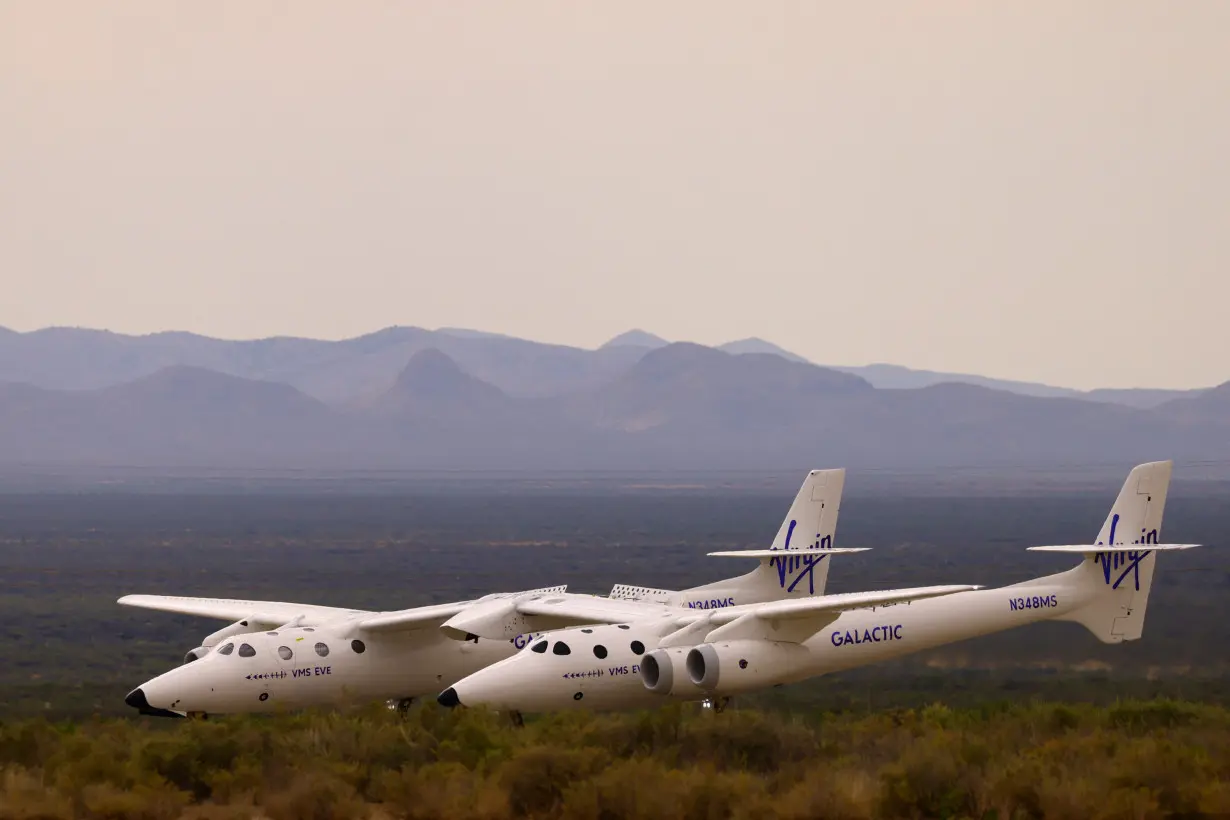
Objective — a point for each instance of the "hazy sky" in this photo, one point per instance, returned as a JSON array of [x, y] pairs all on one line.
[[1030, 190]]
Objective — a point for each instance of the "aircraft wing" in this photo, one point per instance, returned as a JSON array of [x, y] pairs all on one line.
[[796, 619], [791, 608], [231, 609], [747, 620], [405, 620], [574, 610]]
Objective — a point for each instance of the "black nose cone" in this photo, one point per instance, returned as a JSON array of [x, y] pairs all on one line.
[[136, 699], [448, 698]]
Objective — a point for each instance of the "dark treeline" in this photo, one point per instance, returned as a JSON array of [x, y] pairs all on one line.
[[1131, 759]]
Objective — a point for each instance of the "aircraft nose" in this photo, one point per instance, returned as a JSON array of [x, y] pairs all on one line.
[[137, 700], [448, 698]]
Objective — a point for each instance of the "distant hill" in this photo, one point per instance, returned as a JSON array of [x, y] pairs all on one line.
[[754, 345], [1211, 407], [689, 386], [432, 386], [468, 333], [895, 377], [679, 407], [338, 373], [353, 373], [183, 416], [636, 338]]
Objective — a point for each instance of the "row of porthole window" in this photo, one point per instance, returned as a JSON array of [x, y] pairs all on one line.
[[285, 653], [561, 648]]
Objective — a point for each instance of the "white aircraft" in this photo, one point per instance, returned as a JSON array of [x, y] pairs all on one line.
[[280, 655], [277, 655], [641, 657]]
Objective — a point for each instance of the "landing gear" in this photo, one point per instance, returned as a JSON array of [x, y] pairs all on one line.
[[400, 706], [516, 718], [718, 705], [198, 715]]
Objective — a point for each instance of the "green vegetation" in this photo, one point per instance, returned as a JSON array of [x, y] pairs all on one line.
[[1135, 758]]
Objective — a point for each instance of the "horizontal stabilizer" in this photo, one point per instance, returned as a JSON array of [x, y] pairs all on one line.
[[1090, 549], [784, 553]]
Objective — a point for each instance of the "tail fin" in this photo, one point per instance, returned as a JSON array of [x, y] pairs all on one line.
[[794, 566], [1119, 566]]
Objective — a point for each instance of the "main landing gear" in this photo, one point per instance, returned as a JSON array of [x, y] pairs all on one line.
[[718, 705], [400, 706], [516, 718]]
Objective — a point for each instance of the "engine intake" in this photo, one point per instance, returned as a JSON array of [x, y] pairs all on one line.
[[196, 654], [663, 672], [238, 628], [734, 667]]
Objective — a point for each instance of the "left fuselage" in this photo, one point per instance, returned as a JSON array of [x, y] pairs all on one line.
[[293, 668]]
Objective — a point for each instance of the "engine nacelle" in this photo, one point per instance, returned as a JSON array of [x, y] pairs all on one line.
[[237, 628], [196, 654], [664, 672], [733, 667]]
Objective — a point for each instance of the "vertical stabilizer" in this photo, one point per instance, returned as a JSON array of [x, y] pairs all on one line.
[[1122, 573], [804, 541]]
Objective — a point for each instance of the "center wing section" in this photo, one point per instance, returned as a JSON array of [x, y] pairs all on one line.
[[561, 611], [440, 615]]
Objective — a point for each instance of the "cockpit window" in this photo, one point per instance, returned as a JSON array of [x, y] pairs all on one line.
[[587, 631], [623, 626], [226, 650], [246, 650], [284, 653], [599, 651], [539, 647], [322, 649], [561, 648], [638, 648]]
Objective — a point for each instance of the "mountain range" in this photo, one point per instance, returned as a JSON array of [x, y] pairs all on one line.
[[410, 398]]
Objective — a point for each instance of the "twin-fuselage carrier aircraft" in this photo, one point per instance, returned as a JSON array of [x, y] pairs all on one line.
[[276, 655], [639, 646], [644, 655]]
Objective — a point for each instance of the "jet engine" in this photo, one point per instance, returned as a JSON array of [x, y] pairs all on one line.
[[663, 672], [732, 667], [212, 640], [238, 628], [196, 654]]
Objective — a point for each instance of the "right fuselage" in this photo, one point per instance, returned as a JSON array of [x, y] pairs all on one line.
[[602, 667]]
